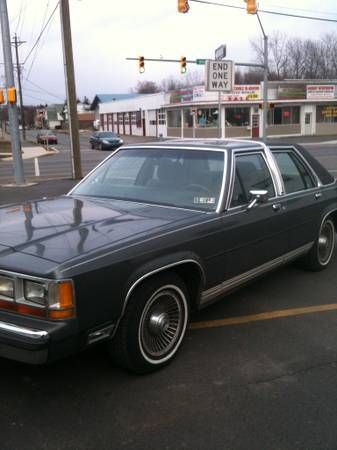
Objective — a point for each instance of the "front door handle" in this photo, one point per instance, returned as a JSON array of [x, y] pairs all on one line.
[[318, 195], [277, 206]]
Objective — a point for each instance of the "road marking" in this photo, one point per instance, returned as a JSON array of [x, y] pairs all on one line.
[[263, 316]]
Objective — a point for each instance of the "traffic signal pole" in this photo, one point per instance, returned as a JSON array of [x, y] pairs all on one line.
[[12, 107]]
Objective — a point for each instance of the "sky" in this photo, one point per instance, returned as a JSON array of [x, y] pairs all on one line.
[[106, 32]]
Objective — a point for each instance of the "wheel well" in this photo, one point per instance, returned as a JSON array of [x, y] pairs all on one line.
[[192, 276], [190, 273], [333, 216]]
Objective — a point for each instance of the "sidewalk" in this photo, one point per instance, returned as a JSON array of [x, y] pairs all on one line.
[[31, 152], [50, 188]]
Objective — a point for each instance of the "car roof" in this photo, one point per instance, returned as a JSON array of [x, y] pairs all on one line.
[[200, 144]]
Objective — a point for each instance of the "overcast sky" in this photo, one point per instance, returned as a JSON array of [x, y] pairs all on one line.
[[105, 32]]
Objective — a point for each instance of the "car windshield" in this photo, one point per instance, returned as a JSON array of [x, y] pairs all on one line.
[[106, 134], [174, 177]]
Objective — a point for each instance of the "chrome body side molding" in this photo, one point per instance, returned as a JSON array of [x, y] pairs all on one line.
[[15, 330], [220, 289]]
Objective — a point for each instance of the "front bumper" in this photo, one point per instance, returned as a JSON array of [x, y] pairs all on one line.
[[36, 341], [23, 343]]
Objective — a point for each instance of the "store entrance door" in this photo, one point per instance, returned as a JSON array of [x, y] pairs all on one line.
[[255, 125], [308, 124]]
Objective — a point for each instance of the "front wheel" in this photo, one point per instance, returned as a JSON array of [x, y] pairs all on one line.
[[153, 326], [322, 251]]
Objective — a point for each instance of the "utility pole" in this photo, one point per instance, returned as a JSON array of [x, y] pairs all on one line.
[[12, 107], [71, 89], [23, 121]]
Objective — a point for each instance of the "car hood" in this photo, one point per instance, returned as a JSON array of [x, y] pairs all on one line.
[[67, 227]]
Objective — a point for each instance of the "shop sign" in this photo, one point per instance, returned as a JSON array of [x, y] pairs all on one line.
[[292, 92], [181, 96], [316, 92], [329, 111], [243, 92], [198, 93]]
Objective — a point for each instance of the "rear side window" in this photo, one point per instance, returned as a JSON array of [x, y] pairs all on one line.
[[296, 176], [251, 173]]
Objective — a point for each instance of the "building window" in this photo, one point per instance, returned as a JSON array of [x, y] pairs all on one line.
[[237, 117], [174, 118], [161, 117], [284, 115], [133, 118], [188, 118], [126, 121], [326, 113], [207, 117]]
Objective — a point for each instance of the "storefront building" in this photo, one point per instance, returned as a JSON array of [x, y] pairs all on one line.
[[295, 108]]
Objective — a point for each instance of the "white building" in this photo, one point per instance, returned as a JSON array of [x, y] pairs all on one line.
[[295, 108]]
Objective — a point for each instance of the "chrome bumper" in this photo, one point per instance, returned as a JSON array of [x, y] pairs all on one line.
[[15, 330]]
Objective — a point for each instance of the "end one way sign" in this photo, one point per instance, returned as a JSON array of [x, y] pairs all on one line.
[[219, 75]]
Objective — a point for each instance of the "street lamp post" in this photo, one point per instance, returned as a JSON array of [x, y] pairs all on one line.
[[265, 80]]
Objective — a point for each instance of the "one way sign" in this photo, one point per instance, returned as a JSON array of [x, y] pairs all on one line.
[[219, 75]]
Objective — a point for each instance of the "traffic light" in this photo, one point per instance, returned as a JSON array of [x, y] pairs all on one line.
[[183, 64], [2, 99], [11, 95], [141, 62], [251, 6], [183, 6]]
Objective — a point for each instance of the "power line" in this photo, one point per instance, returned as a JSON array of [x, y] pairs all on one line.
[[41, 33], [44, 90], [265, 11]]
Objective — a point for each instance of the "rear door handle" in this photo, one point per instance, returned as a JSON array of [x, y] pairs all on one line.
[[277, 206]]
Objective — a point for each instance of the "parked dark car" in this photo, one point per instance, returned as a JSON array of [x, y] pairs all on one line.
[[105, 140], [154, 233], [46, 137]]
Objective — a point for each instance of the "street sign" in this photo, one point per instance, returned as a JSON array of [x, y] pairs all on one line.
[[220, 52], [200, 61], [219, 75]]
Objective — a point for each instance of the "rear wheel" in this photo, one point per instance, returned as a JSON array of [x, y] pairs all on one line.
[[322, 251], [153, 326]]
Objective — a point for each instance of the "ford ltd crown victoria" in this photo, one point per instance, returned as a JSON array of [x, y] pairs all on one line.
[[152, 234]]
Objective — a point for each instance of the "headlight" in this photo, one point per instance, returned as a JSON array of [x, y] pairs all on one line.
[[6, 287], [105, 141], [121, 141], [35, 292]]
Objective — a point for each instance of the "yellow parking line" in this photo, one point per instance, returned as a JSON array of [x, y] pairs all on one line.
[[263, 316]]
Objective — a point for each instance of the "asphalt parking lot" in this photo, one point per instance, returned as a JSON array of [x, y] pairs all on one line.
[[258, 371]]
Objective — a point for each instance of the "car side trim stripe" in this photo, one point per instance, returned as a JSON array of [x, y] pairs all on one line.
[[238, 280]]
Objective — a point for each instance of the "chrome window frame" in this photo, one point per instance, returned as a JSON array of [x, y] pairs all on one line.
[[306, 164], [243, 152]]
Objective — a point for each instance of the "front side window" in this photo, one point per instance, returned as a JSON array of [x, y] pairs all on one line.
[[251, 174], [173, 177], [295, 175]]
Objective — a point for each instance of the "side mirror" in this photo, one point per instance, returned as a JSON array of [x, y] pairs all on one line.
[[257, 197]]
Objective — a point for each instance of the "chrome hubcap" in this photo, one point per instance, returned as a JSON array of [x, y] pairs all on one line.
[[326, 242], [162, 324]]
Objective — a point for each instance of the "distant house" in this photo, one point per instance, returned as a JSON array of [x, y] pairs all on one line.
[[51, 116], [85, 120]]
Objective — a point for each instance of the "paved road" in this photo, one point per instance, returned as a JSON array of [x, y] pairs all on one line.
[[59, 165]]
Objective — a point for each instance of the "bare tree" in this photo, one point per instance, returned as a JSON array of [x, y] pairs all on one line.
[[147, 87]]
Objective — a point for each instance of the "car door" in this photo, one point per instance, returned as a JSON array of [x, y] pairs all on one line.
[[254, 238], [303, 200]]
